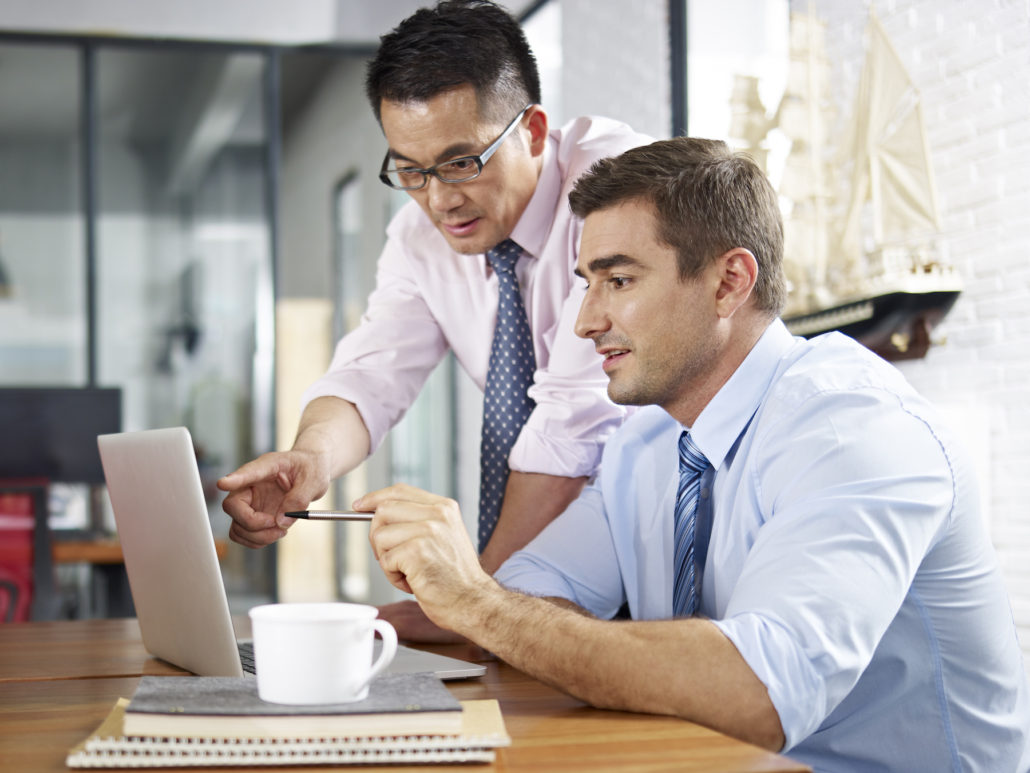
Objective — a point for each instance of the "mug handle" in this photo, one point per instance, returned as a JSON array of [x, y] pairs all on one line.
[[386, 655]]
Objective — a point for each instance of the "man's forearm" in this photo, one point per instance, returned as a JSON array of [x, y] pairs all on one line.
[[685, 668], [531, 501], [332, 427]]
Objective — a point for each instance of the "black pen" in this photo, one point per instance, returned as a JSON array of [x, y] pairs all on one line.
[[330, 515]]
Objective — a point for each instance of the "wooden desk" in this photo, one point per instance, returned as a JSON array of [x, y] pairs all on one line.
[[75, 649], [71, 672], [104, 550]]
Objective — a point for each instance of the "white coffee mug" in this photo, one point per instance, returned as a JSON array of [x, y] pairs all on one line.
[[318, 652]]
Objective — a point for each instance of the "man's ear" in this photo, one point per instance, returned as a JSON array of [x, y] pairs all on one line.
[[535, 120], [738, 272]]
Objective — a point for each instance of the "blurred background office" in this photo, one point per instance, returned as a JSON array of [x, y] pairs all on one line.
[[190, 215]]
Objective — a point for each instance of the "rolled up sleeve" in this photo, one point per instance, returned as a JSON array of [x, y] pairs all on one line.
[[382, 365], [828, 571], [566, 432]]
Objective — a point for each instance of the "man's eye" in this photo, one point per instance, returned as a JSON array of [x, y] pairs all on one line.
[[461, 165], [409, 173], [618, 282]]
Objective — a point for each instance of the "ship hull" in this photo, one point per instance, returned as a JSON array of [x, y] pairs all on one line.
[[895, 325]]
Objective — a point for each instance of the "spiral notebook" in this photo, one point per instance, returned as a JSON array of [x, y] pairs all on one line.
[[482, 732]]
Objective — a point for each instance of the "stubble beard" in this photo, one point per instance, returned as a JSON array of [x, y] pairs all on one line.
[[662, 384]]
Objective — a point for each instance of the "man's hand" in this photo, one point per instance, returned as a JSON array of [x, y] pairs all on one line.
[[423, 548], [262, 490], [411, 624]]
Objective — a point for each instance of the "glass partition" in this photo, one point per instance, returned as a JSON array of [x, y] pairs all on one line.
[[43, 316], [183, 241], [136, 247]]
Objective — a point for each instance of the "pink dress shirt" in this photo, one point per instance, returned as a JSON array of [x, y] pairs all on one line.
[[429, 298]]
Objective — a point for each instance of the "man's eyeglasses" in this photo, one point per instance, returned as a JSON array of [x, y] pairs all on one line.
[[457, 170]]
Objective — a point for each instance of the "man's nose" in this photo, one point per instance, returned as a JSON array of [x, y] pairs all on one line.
[[443, 197], [591, 320]]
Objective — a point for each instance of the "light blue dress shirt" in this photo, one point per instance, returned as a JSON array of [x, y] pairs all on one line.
[[848, 561]]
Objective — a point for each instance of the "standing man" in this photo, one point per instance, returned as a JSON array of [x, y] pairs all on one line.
[[795, 531], [480, 262]]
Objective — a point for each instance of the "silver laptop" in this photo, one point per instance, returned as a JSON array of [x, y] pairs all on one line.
[[170, 558]]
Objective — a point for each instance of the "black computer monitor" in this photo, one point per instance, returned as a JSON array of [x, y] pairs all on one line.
[[51, 432]]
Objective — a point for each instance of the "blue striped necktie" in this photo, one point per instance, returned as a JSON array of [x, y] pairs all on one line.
[[506, 406], [686, 591]]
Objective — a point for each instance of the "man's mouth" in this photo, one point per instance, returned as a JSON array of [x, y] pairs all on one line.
[[612, 356], [462, 228]]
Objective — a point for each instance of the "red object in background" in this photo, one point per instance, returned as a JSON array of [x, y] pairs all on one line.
[[17, 523]]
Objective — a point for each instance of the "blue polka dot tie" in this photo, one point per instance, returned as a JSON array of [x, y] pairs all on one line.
[[506, 406], [686, 591]]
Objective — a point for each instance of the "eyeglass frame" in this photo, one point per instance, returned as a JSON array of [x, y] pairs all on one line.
[[480, 161]]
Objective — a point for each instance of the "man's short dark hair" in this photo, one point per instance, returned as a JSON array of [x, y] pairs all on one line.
[[456, 43], [706, 199]]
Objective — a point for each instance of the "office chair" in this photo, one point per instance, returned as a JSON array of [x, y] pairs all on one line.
[[26, 567], [56, 429]]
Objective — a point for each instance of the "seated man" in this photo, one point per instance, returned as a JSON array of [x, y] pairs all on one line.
[[794, 530]]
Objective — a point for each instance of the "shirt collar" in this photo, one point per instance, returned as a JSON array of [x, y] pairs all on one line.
[[531, 232], [728, 413]]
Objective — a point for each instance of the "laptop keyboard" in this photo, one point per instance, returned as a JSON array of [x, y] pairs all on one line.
[[247, 655], [407, 660]]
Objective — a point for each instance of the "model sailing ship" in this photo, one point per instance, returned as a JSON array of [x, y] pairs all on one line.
[[863, 264]]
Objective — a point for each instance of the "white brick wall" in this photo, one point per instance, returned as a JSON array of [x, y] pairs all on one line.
[[971, 63]]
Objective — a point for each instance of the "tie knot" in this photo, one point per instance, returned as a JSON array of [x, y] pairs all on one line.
[[504, 256], [690, 455]]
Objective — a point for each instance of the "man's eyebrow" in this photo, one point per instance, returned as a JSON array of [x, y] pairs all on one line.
[[607, 263], [394, 155], [455, 150], [450, 152]]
